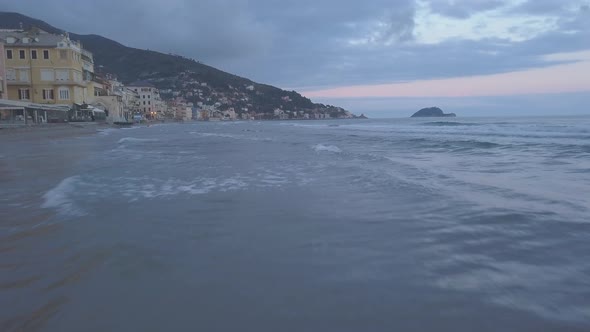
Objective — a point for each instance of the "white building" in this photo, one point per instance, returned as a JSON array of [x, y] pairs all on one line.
[[150, 103]]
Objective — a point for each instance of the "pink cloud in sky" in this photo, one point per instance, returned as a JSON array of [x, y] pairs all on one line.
[[562, 78]]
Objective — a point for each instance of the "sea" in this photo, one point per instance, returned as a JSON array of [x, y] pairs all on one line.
[[450, 224]]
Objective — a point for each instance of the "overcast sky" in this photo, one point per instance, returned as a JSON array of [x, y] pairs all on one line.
[[366, 54]]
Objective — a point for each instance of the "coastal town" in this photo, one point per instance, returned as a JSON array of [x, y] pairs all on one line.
[[52, 78]]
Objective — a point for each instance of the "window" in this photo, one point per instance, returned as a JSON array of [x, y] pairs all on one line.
[[23, 94], [22, 54], [24, 75], [8, 54], [143, 97], [47, 75], [64, 93], [34, 54], [10, 74], [46, 54], [149, 102], [149, 96], [62, 75], [63, 54], [144, 102], [47, 94]]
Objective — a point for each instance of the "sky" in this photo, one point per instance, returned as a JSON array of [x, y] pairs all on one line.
[[384, 58]]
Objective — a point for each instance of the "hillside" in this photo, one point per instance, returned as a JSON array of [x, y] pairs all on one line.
[[177, 75]]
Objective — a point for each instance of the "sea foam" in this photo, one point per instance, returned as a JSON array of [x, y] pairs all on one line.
[[59, 197], [326, 148], [136, 140]]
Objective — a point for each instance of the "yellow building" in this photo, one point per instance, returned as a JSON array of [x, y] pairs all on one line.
[[45, 68]]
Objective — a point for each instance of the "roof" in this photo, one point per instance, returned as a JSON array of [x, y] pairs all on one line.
[[141, 84], [42, 39]]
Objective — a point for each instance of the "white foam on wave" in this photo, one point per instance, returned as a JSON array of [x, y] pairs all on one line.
[[106, 132], [219, 135], [232, 136], [135, 188], [136, 140], [326, 148], [60, 197], [526, 283]]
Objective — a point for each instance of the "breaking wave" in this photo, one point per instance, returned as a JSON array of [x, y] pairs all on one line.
[[449, 124], [136, 140], [60, 197], [326, 148]]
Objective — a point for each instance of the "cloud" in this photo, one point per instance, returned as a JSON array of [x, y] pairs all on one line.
[[221, 29], [463, 9], [533, 105], [540, 7], [321, 44], [561, 78]]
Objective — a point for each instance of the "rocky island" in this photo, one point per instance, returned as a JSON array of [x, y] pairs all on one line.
[[432, 112]]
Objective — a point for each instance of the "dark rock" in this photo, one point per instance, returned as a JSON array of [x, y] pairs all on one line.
[[432, 112]]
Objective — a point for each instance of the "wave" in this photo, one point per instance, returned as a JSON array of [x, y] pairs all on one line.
[[449, 124], [106, 132], [143, 188], [59, 197], [232, 136], [218, 135], [471, 144], [326, 148], [136, 140]]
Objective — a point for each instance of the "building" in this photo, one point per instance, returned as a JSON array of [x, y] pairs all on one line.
[[183, 113], [44, 68], [229, 115], [3, 88], [119, 102], [150, 103]]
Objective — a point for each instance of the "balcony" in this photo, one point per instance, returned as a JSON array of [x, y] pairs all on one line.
[[18, 82], [70, 82]]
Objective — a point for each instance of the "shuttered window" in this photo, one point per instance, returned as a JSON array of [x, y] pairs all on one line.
[[24, 75], [47, 75], [10, 75], [61, 75]]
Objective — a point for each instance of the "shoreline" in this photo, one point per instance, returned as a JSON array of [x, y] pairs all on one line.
[[51, 131]]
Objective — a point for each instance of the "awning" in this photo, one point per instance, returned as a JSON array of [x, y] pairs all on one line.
[[5, 103]]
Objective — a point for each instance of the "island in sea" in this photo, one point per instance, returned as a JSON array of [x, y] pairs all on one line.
[[431, 112]]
